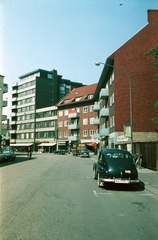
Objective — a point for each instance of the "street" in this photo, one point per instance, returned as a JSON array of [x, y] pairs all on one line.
[[54, 197]]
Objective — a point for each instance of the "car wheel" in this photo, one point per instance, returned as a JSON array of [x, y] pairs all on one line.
[[99, 183], [94, 174]]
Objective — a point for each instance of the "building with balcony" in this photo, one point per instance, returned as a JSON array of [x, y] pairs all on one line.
[[76, 117], [33, 115], [112, 95], [3, 103]]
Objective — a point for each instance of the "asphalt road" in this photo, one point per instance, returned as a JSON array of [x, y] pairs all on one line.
[[54, 197]]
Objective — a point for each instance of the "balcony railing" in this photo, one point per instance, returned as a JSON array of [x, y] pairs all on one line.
[[4, 117], [5, 103], [73, 138], [74, 115], [73, 126], [96, 107], [96, 121], [104, 112], [96, 136], [104, 93], [104, 132]]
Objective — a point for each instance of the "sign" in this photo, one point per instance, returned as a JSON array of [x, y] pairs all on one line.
[[70, 111], [122, 138], [127, 131]]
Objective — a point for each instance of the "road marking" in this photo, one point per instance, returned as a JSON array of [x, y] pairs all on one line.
[[96, 194]]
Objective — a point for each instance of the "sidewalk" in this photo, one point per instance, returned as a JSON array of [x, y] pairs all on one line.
[[148, 178]]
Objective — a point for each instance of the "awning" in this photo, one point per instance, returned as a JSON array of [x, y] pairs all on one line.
[[93, 144], [21, 144], [46, 144]]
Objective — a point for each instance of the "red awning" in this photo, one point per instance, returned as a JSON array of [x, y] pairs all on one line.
[[93, 144]]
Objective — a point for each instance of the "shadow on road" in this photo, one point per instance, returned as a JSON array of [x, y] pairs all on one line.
[[125, 187], [20, 158]]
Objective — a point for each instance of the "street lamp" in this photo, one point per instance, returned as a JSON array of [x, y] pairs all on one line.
[[130, 93]]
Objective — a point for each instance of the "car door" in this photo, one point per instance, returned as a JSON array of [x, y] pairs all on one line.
[[100, 163]]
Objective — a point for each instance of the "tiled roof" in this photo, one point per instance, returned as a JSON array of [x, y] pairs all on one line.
[[78, 94]]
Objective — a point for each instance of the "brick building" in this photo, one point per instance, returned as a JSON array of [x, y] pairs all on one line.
[[76, 117], [130, 64]]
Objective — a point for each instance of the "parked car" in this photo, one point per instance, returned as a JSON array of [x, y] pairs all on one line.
[[115, 166], [59, 151], [1, 156], [84, 153], [8, 155]]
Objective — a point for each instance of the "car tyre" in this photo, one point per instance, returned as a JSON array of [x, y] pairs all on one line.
[[94, 174], [99, 183]]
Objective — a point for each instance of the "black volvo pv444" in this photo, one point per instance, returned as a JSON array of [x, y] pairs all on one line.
[[115, 166]]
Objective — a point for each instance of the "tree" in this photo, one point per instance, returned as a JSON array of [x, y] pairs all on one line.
[[154, 53]]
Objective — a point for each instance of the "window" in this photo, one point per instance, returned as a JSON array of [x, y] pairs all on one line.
[[60, 134], [92, 132], [60, 123], [85, 121], [66, 134], [112, 77], [111, 99], [49, 76], [92, 120], [66, 123], [112, 121], [91, 108], [85, 109], [66, 112], [60, 113], [85, 133]]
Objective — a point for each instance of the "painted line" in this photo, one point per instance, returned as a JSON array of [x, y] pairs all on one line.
[[96, 194]]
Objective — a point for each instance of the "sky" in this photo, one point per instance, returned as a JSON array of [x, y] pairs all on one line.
[[66, 35]]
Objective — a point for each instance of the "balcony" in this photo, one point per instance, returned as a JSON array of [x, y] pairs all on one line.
[[14, 91], [74, 126], [104, 93], [73, 138], [96, 107], [14, 99], [13, 106], [104, 112], [96, 136], [4, 117], [13, 114], [74, 115], [5, 103], [12, 131], [104, 132], [96, 122]]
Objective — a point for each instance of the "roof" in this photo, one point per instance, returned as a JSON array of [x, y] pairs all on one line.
[[78, 95]]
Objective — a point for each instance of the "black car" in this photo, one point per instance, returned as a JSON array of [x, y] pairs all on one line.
[[59, 151], [84, 152], [8, 155], [115, 166]]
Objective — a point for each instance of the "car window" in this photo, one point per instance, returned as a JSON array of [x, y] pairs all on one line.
[[118, 155]]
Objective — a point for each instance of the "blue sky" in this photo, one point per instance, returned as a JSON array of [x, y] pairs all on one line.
[[66, 35]]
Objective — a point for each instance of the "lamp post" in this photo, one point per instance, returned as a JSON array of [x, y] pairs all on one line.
[[130, 94]]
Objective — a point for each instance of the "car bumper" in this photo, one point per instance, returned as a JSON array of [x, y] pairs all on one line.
[[118, 180]]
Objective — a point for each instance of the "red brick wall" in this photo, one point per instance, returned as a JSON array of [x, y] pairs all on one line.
[[139, 67]]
